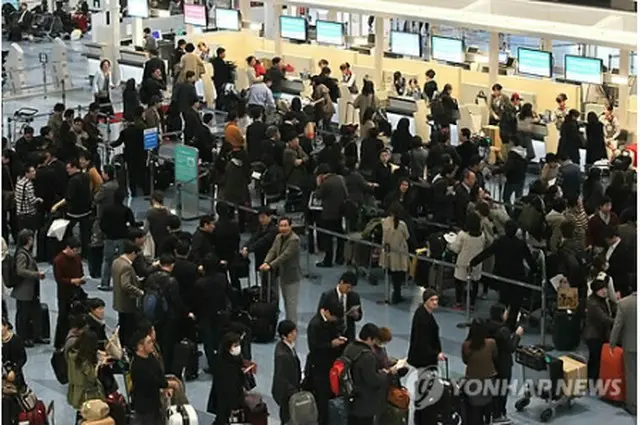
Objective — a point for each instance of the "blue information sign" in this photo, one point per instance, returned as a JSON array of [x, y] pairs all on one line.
[[150, 138], [186, 164]]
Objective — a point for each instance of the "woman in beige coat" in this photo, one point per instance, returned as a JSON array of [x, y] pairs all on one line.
[[395, 234], [467, 245]]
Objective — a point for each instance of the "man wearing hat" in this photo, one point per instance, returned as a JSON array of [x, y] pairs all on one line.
[[597, 328], [425, 348]]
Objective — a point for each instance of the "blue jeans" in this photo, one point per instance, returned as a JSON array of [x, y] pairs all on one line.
[[512, 189], [112, 248]]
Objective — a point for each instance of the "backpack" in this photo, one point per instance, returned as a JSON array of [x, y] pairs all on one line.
[[59, 366], [531, 220], [154, 304], [9, 272], [341, 378]]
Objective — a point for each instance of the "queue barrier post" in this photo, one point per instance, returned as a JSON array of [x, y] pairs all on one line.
[[467, 321]]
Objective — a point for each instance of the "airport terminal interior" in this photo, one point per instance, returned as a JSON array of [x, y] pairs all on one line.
[[468, 78]]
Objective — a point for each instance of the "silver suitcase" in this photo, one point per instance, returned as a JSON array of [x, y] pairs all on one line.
[[183, 414]]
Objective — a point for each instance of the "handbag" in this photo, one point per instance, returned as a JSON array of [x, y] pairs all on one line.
[[113, 346], [27, 400], [94, 410], [398, 397]]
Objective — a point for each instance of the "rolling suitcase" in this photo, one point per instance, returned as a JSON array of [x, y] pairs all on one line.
[[264, 315], [338, 414], [566, 330], [612, 374], [393, 415], [118, 409], [186, 360], [182, 414], [46, 324]]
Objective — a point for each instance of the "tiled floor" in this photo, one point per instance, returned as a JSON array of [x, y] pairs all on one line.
[[398, 318]]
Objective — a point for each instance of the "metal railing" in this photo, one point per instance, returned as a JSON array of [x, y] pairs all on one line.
[[540, 289]]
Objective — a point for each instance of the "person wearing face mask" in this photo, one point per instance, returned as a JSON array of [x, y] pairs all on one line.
[[95, 320], [227, 389], [325, 345], [597, 329], [287, 373]]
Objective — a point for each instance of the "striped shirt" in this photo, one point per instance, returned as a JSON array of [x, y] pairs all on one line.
[[25, 198]]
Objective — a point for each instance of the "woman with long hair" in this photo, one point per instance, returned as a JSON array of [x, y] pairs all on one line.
[[82, 361], [526, 118], [401, 139], [479, 353], [619, 191], [596, 147], [366, 99], [227, 389], [571, 139], [395, 234]]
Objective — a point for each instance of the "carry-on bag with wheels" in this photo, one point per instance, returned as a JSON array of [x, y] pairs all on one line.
[[46, 323], [612, 374], [338, 411], [182, 414], [186, 360], [303, 409], [264, 315], [566, 330]]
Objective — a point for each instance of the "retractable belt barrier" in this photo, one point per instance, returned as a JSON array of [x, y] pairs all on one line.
[[542, 289]]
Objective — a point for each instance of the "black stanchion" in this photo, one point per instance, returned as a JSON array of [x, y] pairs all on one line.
[[467, 322]]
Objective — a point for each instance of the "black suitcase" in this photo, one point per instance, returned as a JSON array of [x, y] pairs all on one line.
[[46, 324], [186, 360], [566, 330], [264, 314]]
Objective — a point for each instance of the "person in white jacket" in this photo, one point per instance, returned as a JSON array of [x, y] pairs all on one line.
[[102, 86], [467, 245]]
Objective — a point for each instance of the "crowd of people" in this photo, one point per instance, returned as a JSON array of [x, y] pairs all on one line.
[[172, 288]]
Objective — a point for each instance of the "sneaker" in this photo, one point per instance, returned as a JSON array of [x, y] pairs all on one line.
[[323, 264], [105, 288], [44, 341], [503, 420]]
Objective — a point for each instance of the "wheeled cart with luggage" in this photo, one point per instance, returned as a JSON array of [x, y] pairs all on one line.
[[539, 369]]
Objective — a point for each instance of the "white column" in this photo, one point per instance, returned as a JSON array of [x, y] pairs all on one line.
[[136, 32], [114, 23], [623, 89], [245, 10], [546, 44], [494, 62], [379, 50], [332, 15], [277, 11]]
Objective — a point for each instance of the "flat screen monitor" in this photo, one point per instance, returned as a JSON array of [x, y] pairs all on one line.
[[447, 49], [329, 32], [138, 9], [405, 43], [157, 34], [195, 14], [293, 28], [583, 70], [227, 19], [535, 62]]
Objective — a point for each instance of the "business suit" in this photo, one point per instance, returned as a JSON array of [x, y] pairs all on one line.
[[284, 260], [26, 292], [321, 356], [624, 332], [125, 295], [620, 268], [287, 375], [347, 324]]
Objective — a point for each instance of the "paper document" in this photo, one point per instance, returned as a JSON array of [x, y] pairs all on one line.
[[400, 364]]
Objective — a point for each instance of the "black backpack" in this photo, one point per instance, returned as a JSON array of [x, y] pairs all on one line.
[[9, 271]]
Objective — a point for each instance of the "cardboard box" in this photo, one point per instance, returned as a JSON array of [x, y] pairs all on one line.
[[567, 298], [575, 377]]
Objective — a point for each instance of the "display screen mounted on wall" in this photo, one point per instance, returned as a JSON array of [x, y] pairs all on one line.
[[405, 43], [583, 70], [293, 28], [227, 19], [329, 32], [195, 14], [447, 49], [535, 62], [138, 9]]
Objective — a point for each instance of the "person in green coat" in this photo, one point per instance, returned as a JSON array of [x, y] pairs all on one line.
[[82, 362]]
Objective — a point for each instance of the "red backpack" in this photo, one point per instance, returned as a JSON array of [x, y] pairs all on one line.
[[35, 416], [340, 376]]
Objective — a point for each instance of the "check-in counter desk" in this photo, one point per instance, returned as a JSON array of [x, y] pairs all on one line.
[[466, 84]]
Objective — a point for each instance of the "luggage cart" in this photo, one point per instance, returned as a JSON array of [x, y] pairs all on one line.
[[537, 365]]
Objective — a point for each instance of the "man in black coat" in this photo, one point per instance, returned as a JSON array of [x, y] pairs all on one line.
[[261, 241], [569, 177], [621, 260], [332, 191], [510, 253], [154, 62], [344, 295], [463, 197], [325, 346], [202, 241], [256, 134], [287, 373], [184, 94]]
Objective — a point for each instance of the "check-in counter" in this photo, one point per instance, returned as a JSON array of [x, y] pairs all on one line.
[[402, 105]]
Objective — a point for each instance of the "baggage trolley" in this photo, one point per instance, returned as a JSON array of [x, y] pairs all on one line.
[[537, 366]]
